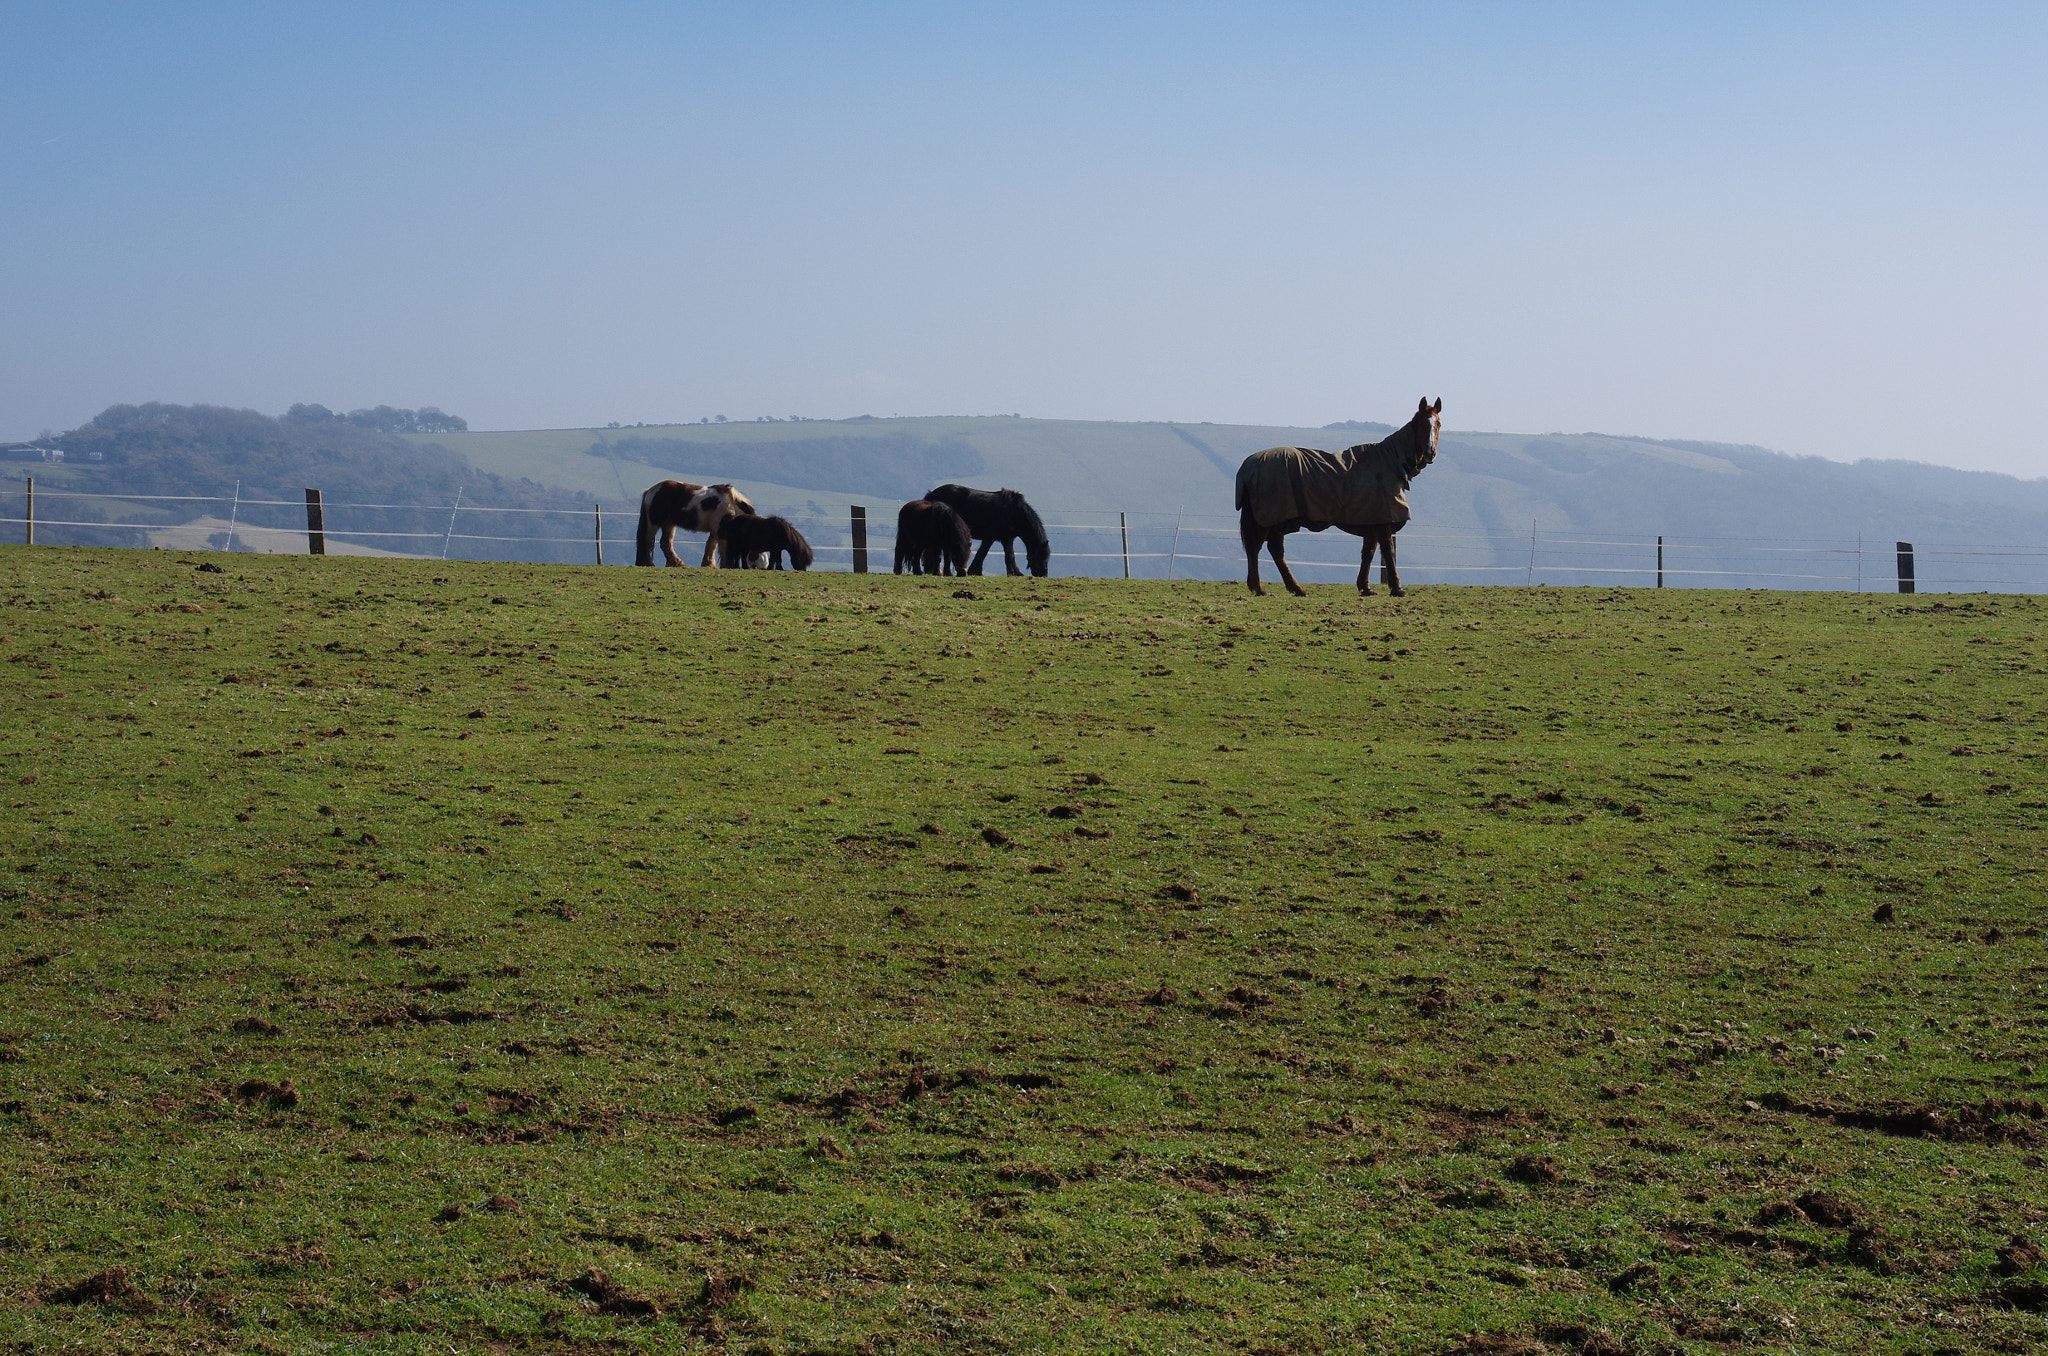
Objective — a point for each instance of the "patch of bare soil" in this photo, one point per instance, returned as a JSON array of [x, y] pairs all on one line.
[[1533, 1171], [612, 1298], [1992, 1121], [114, 1287], [285, 1094], [2017, 1256]]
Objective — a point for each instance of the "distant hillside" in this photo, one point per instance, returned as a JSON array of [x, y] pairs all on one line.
[[160, 454], [1733, 516], [1495, 508], [897, 464]]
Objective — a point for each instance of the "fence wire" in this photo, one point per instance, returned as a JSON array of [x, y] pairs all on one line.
[[1142, 544]]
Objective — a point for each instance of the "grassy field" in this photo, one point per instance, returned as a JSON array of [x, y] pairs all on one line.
[[400, 956]]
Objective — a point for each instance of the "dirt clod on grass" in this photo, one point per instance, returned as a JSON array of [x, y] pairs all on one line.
[[1641, 1276], [258, 1025], [612, 1298], [503, 1205], [285, 1094], [114, 1287], [1830, 1212], [721, 1289], [2018, 1255], [1534, 1171], [1186, 894], [1586, 1341], [733, 1115], [1992, 1121], [1161, 997], [450, 1213]]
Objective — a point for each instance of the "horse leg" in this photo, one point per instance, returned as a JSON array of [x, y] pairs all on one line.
[[1390, 576], [1010, 555], [1365, 563], [1278, 551], [1253, 536], [710, 543], [668, 545], [981, 555]]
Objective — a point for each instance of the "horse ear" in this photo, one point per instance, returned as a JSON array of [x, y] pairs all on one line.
[[1438, 408]]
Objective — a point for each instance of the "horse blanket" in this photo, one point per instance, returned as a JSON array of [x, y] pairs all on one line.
[[1361, 484]]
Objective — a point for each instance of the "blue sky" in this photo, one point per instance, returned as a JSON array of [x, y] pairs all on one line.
[[1815, 227]]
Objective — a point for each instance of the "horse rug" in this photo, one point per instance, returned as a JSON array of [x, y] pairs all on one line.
[[1361, 484]]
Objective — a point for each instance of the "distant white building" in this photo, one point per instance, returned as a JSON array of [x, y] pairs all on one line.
[[37, 452]]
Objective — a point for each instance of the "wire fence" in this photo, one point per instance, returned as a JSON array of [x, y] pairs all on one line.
[[1129, 544]]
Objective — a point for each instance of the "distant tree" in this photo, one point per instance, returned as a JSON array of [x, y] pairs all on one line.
[[431, 420], [310, 414]]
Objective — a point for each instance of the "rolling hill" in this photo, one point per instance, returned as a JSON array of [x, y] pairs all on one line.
[[1594, 503]]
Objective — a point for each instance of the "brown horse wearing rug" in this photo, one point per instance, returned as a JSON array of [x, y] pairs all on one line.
[[693, 508], [1361, 490]]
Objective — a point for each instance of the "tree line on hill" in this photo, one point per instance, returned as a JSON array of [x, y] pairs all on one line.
[[383, 419], [370, 476]]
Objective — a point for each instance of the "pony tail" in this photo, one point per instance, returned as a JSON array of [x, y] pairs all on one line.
[[643, 538]]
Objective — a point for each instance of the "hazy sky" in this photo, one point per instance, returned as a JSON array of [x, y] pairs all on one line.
[[1821, 228]]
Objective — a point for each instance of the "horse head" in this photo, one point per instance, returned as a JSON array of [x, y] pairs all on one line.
[[1427, 424]]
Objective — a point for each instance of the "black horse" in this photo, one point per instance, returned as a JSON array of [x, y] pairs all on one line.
[[931, 538], [747, 537], [999, 516]]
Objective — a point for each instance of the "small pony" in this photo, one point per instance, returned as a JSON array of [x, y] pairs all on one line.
[[749, 539], [931, 538]]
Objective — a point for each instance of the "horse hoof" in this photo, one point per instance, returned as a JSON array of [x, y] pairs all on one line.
[[1397, 593], [1365, 593]]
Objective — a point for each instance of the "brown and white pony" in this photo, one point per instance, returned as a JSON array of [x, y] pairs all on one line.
[[693, 508], [1361, 490]]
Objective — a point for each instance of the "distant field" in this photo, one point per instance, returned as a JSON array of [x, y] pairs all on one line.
[[406, 956]]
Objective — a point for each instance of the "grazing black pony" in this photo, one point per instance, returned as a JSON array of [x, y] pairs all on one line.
[[1361, 490], [748, 538], [999, 516], [931, 538], [694, 508]]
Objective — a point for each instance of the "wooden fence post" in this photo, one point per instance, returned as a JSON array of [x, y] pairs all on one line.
[[1660, 562], [860, 539], [1123, 526], [1905, 567], [316, 525], [597, 516], [30, 513]]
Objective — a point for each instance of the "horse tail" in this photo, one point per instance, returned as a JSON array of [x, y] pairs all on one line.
[[643, 540], [1245, 476]]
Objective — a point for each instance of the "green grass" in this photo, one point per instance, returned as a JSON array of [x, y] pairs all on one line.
[[1463, 972]]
